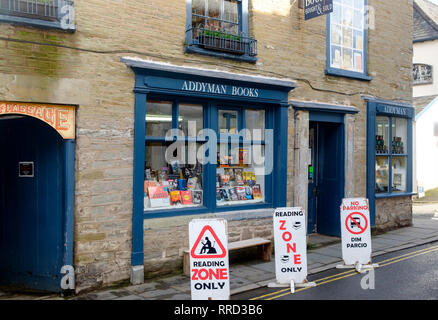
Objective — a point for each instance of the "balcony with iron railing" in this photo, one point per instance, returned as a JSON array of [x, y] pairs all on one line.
[[210, 39], [45, 13]]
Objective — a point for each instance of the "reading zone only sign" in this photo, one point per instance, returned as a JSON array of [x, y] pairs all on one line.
[[209, 271]]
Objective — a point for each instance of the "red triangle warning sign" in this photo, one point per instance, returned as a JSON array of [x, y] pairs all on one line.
[[207, 248]]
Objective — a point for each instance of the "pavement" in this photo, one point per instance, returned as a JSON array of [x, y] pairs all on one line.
[[324, 253]]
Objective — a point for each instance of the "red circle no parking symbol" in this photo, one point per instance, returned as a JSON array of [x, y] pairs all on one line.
[[356, 220]]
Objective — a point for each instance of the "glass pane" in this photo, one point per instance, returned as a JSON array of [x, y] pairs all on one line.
[[171, 183], [231, 28], [336, 15], [358, 19], [198, 7], [382, 134], [243, 183], [358, 40], [358, 61], [230, 11], [336, 34], [347, 3], [347, 59], [198, 22], [399, 135], [214, 8], [359, 4], [158, 118], [398, 174], [347, 16], [347, 40], [336, 58], [382, 175], [190, 112], [227, 122], [255, 119]]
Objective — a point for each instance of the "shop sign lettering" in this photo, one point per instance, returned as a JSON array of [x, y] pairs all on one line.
[[222, 89]]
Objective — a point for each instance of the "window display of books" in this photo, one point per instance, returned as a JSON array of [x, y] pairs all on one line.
[[173, 186], [237, 186]]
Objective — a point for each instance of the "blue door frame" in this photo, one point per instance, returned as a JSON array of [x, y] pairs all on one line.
[[327, 186], [37, 240], [157, 81]]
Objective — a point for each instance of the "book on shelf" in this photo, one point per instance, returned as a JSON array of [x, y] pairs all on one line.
[[197, 196]]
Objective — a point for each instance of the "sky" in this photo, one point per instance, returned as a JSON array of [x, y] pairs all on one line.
[[434, 1]]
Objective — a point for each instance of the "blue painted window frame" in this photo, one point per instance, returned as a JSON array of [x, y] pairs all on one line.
[[372, 113], [243, 28], [64, 22], [347, 73], [211, 109]]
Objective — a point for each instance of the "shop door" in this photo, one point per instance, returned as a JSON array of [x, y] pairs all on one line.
[[31, 204], [326, 178]]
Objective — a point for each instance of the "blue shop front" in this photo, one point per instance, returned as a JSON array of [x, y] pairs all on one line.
[[205, 141]]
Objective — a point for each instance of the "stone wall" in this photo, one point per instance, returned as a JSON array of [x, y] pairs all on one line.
[[84, 69]]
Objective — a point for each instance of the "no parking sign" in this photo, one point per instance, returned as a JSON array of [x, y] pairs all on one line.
[[356, 231]]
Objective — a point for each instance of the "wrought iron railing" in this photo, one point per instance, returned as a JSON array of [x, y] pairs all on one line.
[[39, 9], [219, 40]]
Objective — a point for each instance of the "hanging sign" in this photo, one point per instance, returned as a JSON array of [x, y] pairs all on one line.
[[290, 245], [59, 117], [209, 267], [316, 8], [356, 231]]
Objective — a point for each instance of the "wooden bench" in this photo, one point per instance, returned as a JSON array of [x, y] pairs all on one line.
[[264, 250]]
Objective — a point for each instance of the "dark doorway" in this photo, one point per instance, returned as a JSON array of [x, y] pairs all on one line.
[[32, 204], [326, 177]]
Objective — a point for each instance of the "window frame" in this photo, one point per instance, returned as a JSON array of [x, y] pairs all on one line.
[[211, 109], [348, 73], [65, 20], [377, 107], [190, 47]]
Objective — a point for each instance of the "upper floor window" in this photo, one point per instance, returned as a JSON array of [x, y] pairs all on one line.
[[422, 73], [346, 39], [44, 13], [220, 28]]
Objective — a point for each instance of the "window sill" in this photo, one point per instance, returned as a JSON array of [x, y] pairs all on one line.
[[394, 195], [347, 74], [198, 50], [36, 23]]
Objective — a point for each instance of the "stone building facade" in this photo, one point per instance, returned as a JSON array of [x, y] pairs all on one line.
[[92, 68]]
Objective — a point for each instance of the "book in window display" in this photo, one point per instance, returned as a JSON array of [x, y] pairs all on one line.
[[256, 192], [240, 191], [186, 197], [248, 192], [197, 196], [175, 197], [233, 194], [158, 197]]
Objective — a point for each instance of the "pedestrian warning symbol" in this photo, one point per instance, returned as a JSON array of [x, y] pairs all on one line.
[[208, 245]]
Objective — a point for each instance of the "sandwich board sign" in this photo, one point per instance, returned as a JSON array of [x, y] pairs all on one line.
[[209, 266], [290, 245], [356, 231]]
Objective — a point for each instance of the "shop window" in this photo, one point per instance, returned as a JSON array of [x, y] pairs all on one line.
[[176, 175], [220, 27], [346, 39], [240, 179], [173, 178], [46, 13], [391, 155]]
